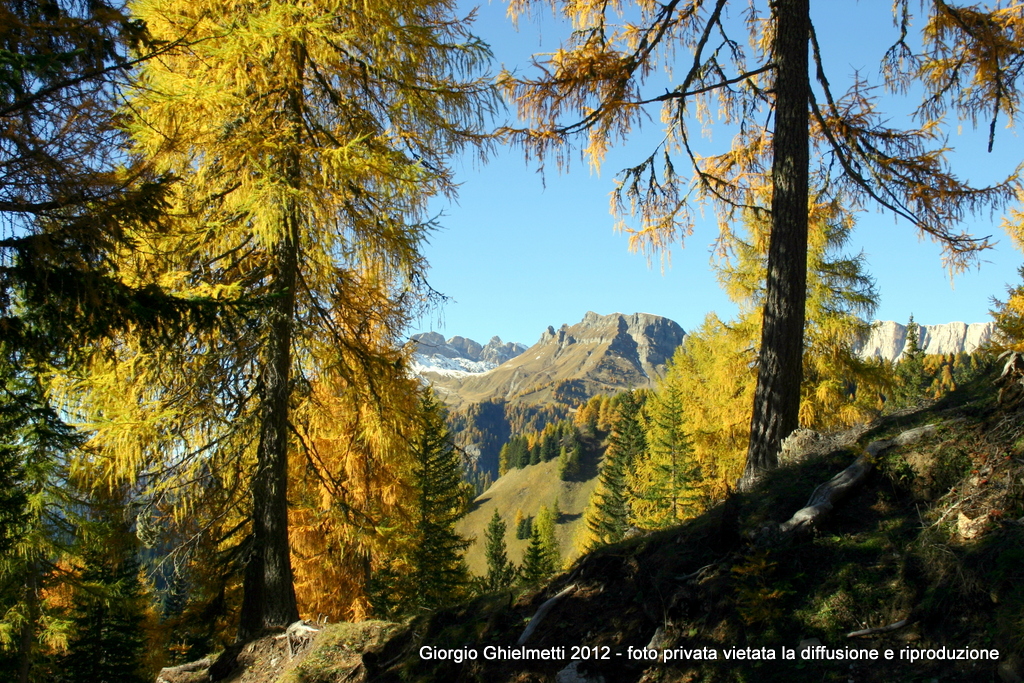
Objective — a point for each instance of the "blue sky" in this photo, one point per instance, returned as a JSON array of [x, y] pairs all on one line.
[[519, 251]]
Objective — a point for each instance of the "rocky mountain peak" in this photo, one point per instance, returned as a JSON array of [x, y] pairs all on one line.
[[432, 353], [888, 339], [497, 351], [467, 348], [599, 354]]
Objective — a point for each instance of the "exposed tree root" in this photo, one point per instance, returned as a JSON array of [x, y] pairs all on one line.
[[170, 674], [299, 635], [542, 612], [828, 494], [881, 629], [1011, 379]]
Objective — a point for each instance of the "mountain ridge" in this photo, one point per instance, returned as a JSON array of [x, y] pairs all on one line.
[[888, 339], [601, 353], [461, 356]]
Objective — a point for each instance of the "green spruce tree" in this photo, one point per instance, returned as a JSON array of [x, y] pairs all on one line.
[[912, 379], [501, 573], [571, 456], [38, 510], [608, 513], [544, 525], [536, 564], [666, 480], [536, 452], [524, 526], [107, 642], [549, 444], [439, 570]]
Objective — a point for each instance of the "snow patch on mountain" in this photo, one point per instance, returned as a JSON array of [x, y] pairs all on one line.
[[449, 367], [459, 356]]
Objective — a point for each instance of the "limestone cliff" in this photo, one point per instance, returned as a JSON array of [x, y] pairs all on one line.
[[888, 339]]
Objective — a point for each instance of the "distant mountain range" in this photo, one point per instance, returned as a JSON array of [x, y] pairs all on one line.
[[458, 356], [613, 352], [498, 389], [888, 339], [599, 354]]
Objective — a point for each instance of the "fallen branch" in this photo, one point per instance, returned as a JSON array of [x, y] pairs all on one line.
[[1011, 380], [188, 667], [542, 612], [881, 629], [828, 494], [697, 573]]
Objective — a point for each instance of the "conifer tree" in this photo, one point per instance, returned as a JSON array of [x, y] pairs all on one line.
[[571, 456], [67, 190], [501, 573], [41, 509], [714, 369], [524, 525], [70, 197], [550, 442], [536, 560], [1009, 314], [544, 525], [666, 480], [594, 89], [588, 414], [505, 459], [911, 380], [438, 569], [606, 412], [514, 454], [608, 512], [712, 373], [107, 641], [537, 451], [306, 164]]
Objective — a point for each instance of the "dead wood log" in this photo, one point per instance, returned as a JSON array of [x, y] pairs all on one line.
[[542, 612], [880, 629], [828, 494], [168, 674], [1011, 379]]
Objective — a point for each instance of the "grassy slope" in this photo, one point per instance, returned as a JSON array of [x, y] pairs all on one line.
[[531, 377], [527, 489], [903, 546]]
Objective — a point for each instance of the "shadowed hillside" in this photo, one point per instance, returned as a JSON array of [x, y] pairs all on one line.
[[927, 553]]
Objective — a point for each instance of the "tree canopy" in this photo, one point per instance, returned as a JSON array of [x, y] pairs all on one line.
[[307, 141], [793, 131]]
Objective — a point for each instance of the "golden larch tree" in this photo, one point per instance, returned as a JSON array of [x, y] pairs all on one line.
[[791, 135], [308, 139]]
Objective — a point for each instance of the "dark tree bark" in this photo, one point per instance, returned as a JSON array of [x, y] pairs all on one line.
[[268, 592], [777, 397], [269, 597]]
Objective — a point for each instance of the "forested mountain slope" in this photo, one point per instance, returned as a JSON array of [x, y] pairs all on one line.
[[927, 553]]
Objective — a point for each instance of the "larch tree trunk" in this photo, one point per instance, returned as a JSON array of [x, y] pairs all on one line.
[[269, 593], [777, 396]]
